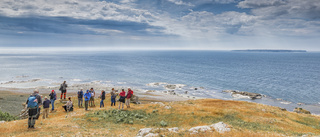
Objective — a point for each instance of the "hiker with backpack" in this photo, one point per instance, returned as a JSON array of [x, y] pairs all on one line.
[[63, 89], [129, 95], [91, 102], [122, 98], [86, 96], [68, 106], [34, 104], [46, 104], [53, 97], [113, 97], [103, 97], [80, 97]]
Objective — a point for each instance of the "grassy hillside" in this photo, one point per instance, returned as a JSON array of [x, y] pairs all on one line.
[[244, 119]]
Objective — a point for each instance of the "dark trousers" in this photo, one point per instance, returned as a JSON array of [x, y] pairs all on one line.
[[33, 116], [101, 103], [86, 103], [113, 101]]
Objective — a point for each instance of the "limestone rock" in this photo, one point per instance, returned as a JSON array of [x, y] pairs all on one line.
[[143, 132], [220, 127], [152, 135], [195, 130], [167, 107], [174, 129], [159, 103]]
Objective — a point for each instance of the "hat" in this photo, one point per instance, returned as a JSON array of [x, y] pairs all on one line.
[[81, 88], [36, 91], [45, 97], [52, 91]]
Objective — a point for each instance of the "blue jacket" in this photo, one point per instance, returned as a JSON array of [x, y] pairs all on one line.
[[87, 96], [53, 95]]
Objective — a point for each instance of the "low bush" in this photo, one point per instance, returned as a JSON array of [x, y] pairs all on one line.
[[6, 116]]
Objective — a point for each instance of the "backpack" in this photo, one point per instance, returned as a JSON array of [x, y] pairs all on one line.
[[80, 94], [32, 102]]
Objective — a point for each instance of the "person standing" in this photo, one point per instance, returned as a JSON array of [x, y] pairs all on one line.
[[113, 97], [63, 89], [34, 104], [122, 98], [103, 97], [80, 97], [93, 94], [46, 104], [53, 97], [87, 96], [129, 95]]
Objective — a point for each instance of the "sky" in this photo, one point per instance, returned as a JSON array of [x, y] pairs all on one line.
[[160, 24]]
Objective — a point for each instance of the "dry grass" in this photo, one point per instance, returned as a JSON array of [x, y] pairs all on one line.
[[246, 119]]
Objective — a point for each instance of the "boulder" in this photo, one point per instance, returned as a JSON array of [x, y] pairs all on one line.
[[195, 130], [220, 127], [248, 94], [159, 103], [2, 122], [174, 129], [143, 132], [152, 135], [301, 110], [24, 112]]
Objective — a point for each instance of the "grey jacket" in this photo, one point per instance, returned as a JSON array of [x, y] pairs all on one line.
[[64, 86]]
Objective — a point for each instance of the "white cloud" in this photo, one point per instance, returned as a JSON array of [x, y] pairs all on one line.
[[260, 3], [224, 1], [304, 9], [180, 2], [79, 9]]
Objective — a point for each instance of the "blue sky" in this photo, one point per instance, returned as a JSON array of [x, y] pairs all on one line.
[[160, 24]]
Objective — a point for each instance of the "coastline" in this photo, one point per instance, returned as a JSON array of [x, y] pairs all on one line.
[[160, 91]]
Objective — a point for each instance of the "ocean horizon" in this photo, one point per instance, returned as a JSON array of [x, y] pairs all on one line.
[[289, 78]]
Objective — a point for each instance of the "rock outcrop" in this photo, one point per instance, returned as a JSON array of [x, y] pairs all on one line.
[[170, 86], [300, 110], [217, 127], [244, 93], [24, 112]]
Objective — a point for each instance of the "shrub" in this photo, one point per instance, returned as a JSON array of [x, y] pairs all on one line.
[[6, 116]]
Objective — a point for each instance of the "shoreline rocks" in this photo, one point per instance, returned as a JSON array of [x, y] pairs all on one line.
[[244, 93], [301, 110]]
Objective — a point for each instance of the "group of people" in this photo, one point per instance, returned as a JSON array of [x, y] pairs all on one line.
[[90, 95], [34, 102]]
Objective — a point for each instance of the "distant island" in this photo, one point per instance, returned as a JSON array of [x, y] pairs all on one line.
[[268, 50]]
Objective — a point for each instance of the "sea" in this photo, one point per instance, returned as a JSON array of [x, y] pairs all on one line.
[[284, 79]]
